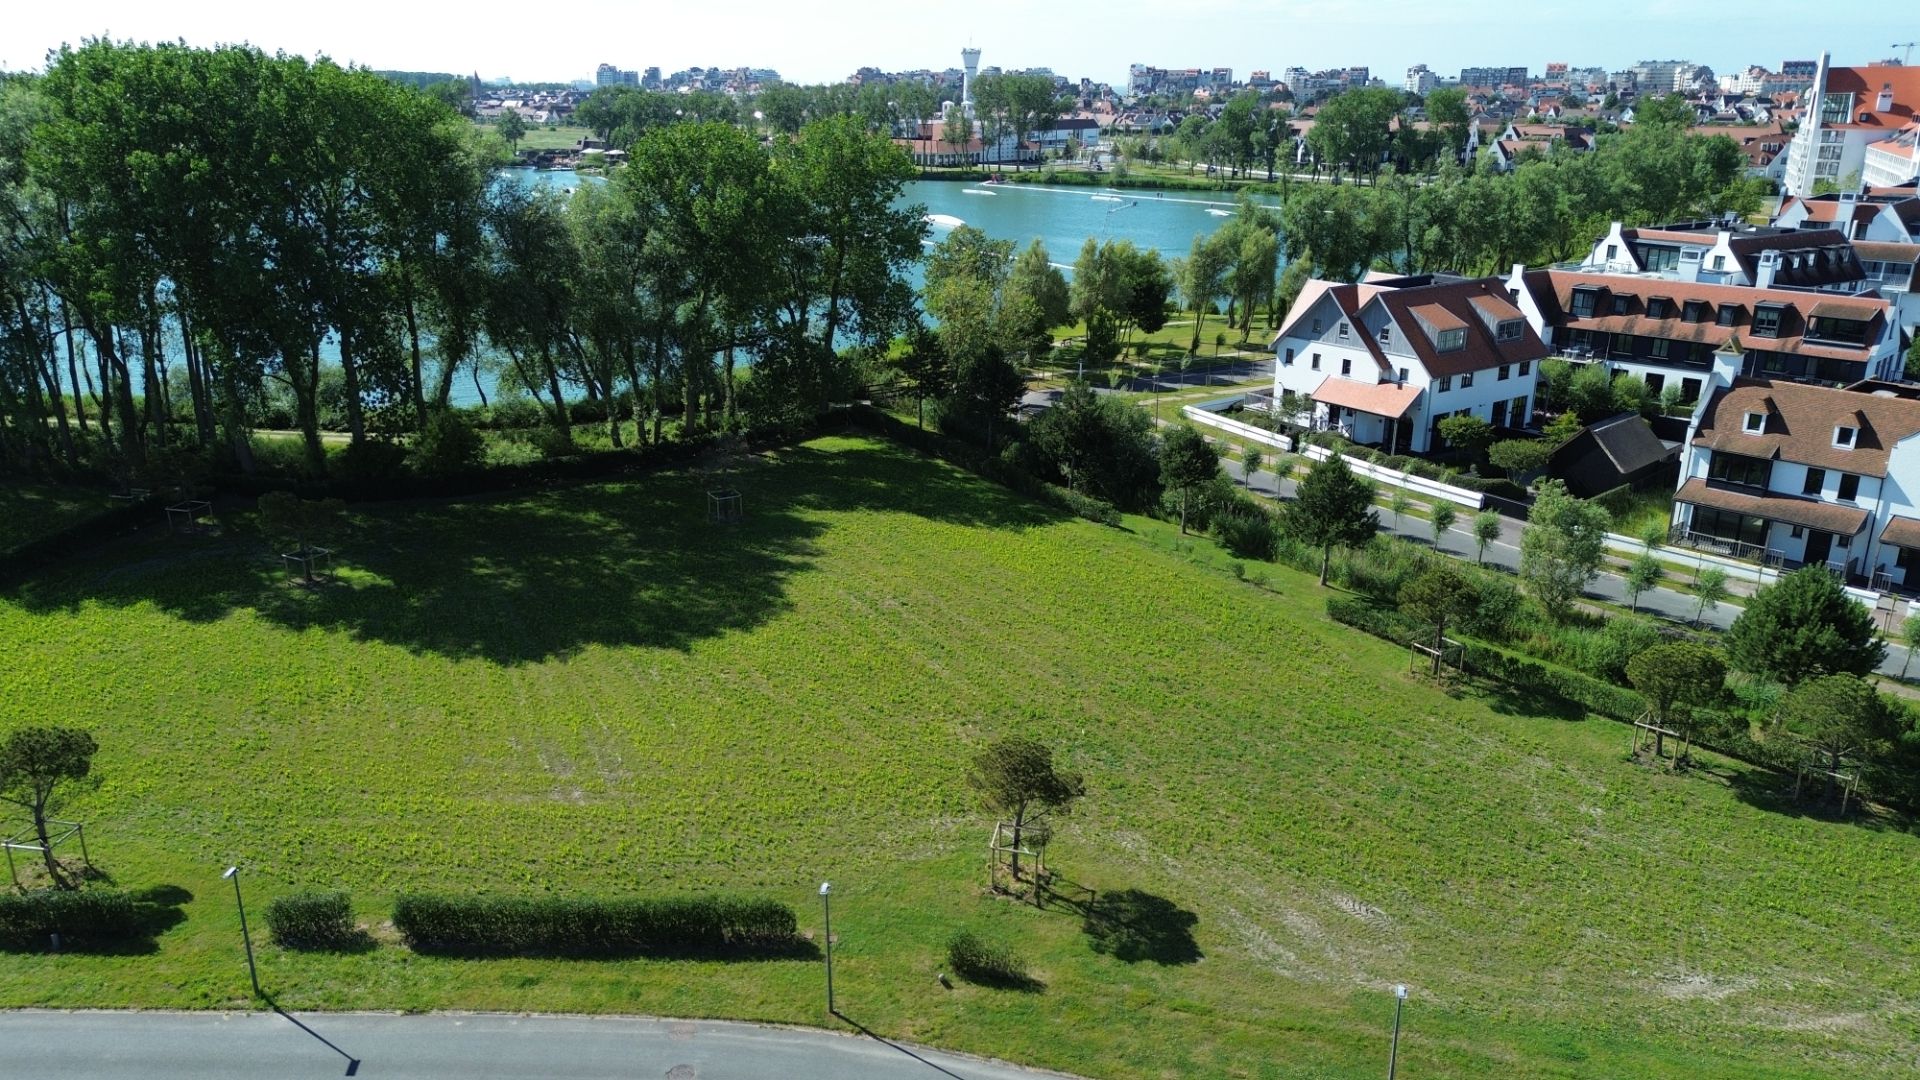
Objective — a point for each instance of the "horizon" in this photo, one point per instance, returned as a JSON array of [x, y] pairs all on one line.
[[1314, 34]]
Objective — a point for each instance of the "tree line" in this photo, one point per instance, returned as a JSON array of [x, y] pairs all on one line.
[[185, 232]]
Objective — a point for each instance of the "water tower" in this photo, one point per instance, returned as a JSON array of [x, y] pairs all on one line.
[[970, 60]]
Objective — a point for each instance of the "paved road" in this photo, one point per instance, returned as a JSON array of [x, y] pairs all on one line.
[[442, 1046]]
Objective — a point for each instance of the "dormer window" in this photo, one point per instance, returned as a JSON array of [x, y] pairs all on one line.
[[1843, 437], [1766, 320], [1620, 305], [1584, 302], [1728, 312], [1756, 423], [1694, 311], [1344, 330], [1453, 340], [1509, 330], [1386, 335], [1659, 307]]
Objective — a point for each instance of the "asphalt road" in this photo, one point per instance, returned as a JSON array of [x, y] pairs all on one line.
[[446, 1046]]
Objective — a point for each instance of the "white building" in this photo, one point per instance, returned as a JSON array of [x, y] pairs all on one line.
[[1420, 80], [1384, 361], [1850, 109], [1808, 475]]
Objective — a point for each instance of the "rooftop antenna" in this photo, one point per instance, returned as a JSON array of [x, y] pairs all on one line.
[[1906, 56]]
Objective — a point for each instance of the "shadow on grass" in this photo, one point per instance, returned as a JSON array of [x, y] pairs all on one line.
[[1773, 792], [530, 577], [1133, 925], [1509, 701], [796, 948]]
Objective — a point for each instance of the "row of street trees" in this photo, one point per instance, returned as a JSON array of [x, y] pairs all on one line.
[[182, 230]]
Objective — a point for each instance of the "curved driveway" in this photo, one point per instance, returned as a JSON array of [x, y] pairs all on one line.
[[446, 1046]]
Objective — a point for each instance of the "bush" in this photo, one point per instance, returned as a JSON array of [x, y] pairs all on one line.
[[374, 459], [1249, 532], [312, 920], [1376, 619], [984, 963], [1086, 506], [587, 926], [1529, 676], [447, 445], [89, 916]]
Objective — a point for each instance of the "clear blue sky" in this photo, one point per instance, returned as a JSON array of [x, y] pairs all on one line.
[[825, 40]]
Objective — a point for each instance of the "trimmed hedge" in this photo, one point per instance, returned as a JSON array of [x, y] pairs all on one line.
[[81, 918], [590, 926], [312, 920], [984, 963]]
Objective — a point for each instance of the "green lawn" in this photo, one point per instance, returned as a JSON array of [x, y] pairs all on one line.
[[592, 689], [33, 511], [564, 137]]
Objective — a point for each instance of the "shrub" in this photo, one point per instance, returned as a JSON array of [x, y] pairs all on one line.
[[88, 916], [587, 926], [1529, 676], [448, 445], [1376, 619], [1086, 506], [1248, 532], [984, 963], [312, 920]]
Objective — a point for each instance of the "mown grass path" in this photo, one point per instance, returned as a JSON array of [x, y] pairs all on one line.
[[592, 689]]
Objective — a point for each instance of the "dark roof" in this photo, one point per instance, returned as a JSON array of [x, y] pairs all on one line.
[[1629, 442], [1901, 532], [1792, 509], [1799, 424]]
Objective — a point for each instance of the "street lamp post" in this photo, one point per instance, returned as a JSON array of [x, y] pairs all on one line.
[[826, 913], [233, 875], [1393, 1055]]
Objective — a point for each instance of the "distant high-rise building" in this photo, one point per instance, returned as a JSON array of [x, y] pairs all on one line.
[[608, 75], [1556, 72], [651, 80], [1494, 77], [1421, 80], [970, 60], [1799, 69]]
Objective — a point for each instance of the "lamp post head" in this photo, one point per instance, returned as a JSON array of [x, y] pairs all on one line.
[[1400, 991], [826, 887], [231, 870]]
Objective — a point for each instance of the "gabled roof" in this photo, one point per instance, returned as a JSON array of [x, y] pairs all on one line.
[[1629, 442], [1390, 400], [1800, 421], [1449, 305], [1865, 83]]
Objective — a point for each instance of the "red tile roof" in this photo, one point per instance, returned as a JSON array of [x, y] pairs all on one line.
[[1865, 84], [1390, 400], [1901, 532]]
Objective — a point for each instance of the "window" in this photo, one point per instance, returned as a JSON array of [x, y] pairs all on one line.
[[1843, 437], [1756, 423], [1386, 335], [1849, 487], [1690, 390], [1446, 384], [1848, 331], [1503, 372], [1655, 381], [1316, 361], [1403, 374], [1289, 360], [1766, 320], [1346, 365], [1797, 532], [1660, 348], [1719, 262], [1620, 304], [1584, 301], [1725, 525], [1728, 313], [1466, 381], [1526, 368], [1659, 307], [1316, 324], [1453, 340], [1344, 329], [1508, 330], [1656, 259], [1739, 469], [1613, 252], [1816, 479], [1694, 311]]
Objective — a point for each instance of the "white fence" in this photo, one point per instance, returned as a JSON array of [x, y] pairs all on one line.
[[1413, 485]]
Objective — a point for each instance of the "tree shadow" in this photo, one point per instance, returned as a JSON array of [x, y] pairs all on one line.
[[1507, 701], [529, 577], [1773, 792], [1132, 925]]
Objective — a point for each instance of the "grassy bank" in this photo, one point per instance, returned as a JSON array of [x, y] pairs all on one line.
[[591, 689]]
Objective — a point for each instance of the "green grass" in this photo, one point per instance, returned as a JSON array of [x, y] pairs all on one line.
[[564, 137], [29, 512], [590, 689]]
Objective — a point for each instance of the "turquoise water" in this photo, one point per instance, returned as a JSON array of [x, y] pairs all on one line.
[[1062, 217]]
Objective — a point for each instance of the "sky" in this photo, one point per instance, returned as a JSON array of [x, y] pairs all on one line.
[[826, 40]]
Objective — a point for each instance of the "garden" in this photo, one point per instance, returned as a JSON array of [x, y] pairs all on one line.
[[592, 691]]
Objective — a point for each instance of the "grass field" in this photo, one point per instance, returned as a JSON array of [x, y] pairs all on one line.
[[591, 689], [30, 512]]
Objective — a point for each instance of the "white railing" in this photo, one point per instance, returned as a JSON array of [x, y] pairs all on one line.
[[1416, 485], [1204, 414]]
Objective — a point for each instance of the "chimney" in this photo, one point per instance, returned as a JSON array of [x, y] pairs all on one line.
[[1769, 266], [1884, 103]]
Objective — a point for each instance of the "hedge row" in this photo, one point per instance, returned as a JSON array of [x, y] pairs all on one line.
[[312, 920], [81, 918], [1600, 698], [587, 926], [977, 460]]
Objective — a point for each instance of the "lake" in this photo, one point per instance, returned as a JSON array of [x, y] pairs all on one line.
[[1062, 217]]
